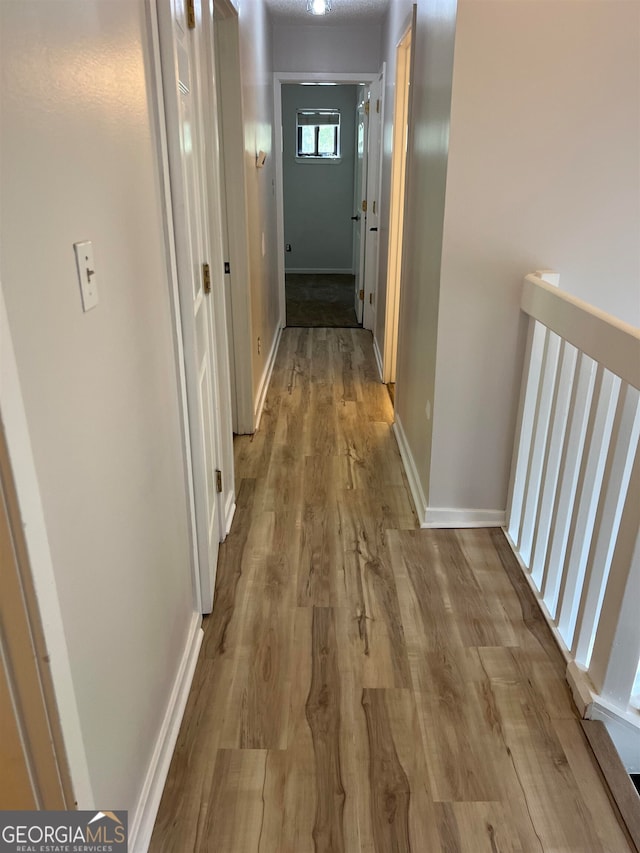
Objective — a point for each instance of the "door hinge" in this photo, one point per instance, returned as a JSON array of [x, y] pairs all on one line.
[[374, 207], [364, 205], [218, 480], [371, 299], [361, 295], [227, 267], [378, 105], [191, 14], [366, 107], [206, 278]]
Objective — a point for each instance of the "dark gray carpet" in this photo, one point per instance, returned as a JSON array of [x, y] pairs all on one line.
[[320, 300]]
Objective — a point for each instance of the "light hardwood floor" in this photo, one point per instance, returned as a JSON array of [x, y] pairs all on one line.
[[365, 685]]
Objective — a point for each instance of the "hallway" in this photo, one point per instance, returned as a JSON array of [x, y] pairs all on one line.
[[364, 685]]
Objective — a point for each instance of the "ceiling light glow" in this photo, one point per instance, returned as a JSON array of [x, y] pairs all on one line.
[[318, 7]]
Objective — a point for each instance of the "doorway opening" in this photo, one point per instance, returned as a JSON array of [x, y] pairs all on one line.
[[321, 186]]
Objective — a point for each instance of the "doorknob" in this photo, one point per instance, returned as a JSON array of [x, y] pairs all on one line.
[[373, 229], [356, 218]]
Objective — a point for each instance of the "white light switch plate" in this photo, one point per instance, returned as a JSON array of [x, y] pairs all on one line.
[[87, 274]]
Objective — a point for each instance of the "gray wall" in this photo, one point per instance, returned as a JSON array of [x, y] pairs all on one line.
[[318, 197], [334, 49]]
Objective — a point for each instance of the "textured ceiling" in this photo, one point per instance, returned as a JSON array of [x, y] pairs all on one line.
[[343, 12]]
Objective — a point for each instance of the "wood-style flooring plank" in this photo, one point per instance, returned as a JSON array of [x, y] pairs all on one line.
[[585, 769], [323, 716], [364, 686], [235, 814], [390, 788]]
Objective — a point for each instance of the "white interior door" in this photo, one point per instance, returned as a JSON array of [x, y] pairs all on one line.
[[181, 65], [359, 195], [220, 308], [376, 91]]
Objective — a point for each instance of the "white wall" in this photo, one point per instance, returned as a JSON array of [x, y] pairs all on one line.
[[334, 49], [318, 196], [100, 389], [423, 227], [257, 99], [544, 171]]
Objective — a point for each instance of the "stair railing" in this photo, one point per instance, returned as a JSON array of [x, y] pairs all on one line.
[[574, 499]]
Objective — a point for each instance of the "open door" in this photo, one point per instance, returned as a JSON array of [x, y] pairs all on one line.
[[376, 94], [359, 217], [185, 89]]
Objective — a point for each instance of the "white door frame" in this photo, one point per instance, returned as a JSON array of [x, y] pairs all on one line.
[[402, 119], [215, 169], [360, 163], [172, 275], [280, 77], [232, 162], [177, 237], [374, 195]]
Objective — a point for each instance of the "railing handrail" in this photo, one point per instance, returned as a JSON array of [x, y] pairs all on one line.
[[603, 337]]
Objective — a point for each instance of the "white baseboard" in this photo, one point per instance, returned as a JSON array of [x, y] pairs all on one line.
[[266, 377], [146, 810], [415, 486], [376, 352], [623, 728], [309, 271], [443, 517]]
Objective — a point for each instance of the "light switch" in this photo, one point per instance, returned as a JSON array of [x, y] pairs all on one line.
[[87, 274]]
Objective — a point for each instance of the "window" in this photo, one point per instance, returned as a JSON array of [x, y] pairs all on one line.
[[318, 134]]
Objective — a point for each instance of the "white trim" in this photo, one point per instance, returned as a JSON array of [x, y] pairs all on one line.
[[603, 337], [415, 486], [146, 809], [229, 513], [454, 517], [162, 152], [312, 271], [280, 77], [374, 202], [376, 352], [623, 729], [578, 681], [323, 77], [266, 377], [14, 421], [234, 186]]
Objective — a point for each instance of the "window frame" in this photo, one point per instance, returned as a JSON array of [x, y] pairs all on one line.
[[316, 156]]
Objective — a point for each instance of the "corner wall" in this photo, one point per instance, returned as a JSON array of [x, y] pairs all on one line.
[[257, 100], [544, 172], [395, 25], [418, 324]]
